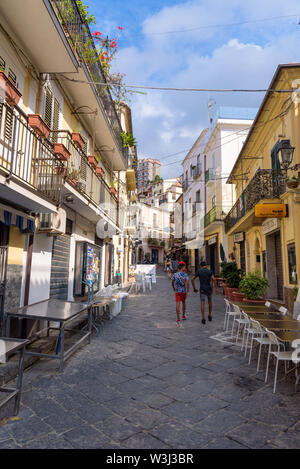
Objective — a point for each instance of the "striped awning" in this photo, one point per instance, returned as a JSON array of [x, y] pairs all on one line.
[[10, 216]]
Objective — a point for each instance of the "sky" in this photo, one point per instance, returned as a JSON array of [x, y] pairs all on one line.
[[194, 44]]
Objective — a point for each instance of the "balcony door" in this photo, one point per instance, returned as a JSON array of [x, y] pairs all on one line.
[[4, 232]]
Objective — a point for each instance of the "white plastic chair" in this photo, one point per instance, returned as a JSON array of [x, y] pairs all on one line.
[[298, 317], [148, 281], [139, 282], [259, 335], [239, 320], [279, 355], [229, 312]]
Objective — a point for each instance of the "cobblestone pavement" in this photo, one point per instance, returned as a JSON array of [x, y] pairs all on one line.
[[144, 383]]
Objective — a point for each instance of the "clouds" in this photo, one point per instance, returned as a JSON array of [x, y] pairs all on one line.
[[243, 56]]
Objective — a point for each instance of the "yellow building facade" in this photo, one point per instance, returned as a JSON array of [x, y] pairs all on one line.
[[260, 237]]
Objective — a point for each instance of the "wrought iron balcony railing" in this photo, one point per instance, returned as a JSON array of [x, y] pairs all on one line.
[[210, 175], [215, 214], [88, 182], [79, 36], [266, 184], [197, 170], [26, 156]]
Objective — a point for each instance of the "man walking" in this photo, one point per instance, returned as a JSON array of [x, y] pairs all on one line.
[[181, 286], [206, 277]]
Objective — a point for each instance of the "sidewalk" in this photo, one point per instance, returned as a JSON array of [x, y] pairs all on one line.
[[144, 383]]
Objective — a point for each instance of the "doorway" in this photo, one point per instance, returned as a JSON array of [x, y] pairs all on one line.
[[154, 256], [4, 234]]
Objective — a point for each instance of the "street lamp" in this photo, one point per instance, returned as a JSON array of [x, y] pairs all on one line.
[[285, 153]]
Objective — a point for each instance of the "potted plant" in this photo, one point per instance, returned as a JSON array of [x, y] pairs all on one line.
[[92, 160], [12, 94], [72, 176], [232, 277], [100, 171], [112, 188], [292, 182], [78, 140], [253, 286], [61, 151], [39, 125]]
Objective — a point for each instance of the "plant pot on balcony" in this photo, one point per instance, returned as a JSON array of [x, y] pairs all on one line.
[[92, 160], [76, 137], [39, 125], [113, 190], [72, 181], [62, 170], [61, 151], [12, 94], [99, 171]]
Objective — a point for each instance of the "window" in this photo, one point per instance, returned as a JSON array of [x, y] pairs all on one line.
[[292, 263], [198, 198], [213, 201], [51, 109]]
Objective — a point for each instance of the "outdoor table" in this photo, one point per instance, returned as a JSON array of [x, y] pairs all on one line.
[[265, 316], [281, 324], [246, 307], [8, 347], [97, 321], [53, 310], [287, 336]]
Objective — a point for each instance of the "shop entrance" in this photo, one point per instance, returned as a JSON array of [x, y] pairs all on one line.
[[274, 265]]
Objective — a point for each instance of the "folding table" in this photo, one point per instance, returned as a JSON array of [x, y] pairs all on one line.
[[53, 310]]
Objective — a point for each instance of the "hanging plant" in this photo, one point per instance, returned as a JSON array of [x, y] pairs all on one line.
[[128, 139]]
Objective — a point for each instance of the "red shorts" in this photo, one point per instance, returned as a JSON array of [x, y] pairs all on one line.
[[180, 296]]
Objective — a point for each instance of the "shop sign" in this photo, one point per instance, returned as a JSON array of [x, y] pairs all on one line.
[[270, 225], [238, 237], [212, 240], [270, 210]]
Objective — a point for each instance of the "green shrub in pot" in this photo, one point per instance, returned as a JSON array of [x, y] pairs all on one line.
[[233, 279], [253, 285]]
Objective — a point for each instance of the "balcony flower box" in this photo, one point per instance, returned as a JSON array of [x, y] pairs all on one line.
[[61, 151], [12, 94], [113, 190], [99, 171], [62, 170], [72, 181], [76, 137], [39, 125], [92, 160]]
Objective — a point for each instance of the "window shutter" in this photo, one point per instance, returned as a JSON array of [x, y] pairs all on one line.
[[12, 76], [48, 107], [56, 112], [2, 64], [8, 126]]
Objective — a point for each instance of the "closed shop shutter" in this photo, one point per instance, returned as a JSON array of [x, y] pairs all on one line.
[[59, 280]]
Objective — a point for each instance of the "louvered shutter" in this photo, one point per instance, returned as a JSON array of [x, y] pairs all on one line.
[[48, 107], [56, 112]]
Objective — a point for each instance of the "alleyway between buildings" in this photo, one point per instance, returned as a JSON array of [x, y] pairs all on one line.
[[144, 383]]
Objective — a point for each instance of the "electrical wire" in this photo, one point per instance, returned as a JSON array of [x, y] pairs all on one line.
[[162, 88], [210, 26]]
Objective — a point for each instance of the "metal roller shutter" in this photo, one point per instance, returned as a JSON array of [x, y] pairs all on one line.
[[60, 267]]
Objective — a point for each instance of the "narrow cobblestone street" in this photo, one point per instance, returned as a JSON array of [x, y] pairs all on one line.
[[144, 383]]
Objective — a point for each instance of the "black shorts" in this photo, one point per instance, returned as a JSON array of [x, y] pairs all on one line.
[[205, 294]]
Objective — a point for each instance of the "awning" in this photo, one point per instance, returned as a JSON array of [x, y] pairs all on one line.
[[10, 216]]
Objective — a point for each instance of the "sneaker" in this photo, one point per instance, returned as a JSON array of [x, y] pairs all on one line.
[[203, 321], [178, 322], [210, 318], [183, 317]]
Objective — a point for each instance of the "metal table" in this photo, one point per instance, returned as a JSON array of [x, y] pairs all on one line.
[[281, 324], [9, 347], [53, 310], [287, 336], [246, 307]]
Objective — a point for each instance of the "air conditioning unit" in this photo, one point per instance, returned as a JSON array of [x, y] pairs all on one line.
[[54, 223]]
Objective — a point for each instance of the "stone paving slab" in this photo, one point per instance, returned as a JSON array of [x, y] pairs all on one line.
[[143, 382]]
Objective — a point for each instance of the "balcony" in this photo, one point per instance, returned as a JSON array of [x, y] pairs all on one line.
[[266, 184], [85, 180], [164, 200], [215, 214], [197, 171], [81, 40], [210, 175], [27, 160]]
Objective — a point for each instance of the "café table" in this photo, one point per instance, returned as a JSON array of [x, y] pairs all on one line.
[[9, 346], [265, 316], [287, 336], [246, 307], [57, 311], [280, 324]]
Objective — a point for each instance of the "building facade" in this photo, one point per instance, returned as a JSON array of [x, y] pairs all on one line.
[[270, 244], [147, 170], [61, 158]]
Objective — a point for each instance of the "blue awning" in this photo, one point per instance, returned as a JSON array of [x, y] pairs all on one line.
[[10, 216]]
